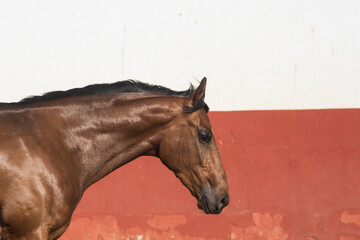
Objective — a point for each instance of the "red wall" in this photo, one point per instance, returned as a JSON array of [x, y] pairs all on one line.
[[292, 175]]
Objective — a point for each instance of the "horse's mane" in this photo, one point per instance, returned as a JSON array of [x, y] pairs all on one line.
[[129, 86]]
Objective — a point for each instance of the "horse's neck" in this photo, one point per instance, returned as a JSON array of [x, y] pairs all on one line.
[[108, 135]]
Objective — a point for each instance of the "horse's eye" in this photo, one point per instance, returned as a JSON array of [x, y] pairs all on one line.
[[205, 136]]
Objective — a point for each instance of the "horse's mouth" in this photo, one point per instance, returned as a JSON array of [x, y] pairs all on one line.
[[204, 205]]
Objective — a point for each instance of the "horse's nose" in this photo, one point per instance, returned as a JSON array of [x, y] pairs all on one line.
[[212, 204], [224, 201]]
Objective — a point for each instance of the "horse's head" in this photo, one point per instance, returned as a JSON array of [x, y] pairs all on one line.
[[189, 149]]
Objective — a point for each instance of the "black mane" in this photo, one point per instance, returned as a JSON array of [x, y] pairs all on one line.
[[129, 86]]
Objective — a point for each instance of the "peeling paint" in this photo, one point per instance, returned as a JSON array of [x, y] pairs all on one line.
[[150, 234], [99, 228], [166, 222], [265, 226], [94, 228], [347, 238], [350, 218]]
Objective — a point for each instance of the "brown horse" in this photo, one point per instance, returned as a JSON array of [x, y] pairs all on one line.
[[53, 147]]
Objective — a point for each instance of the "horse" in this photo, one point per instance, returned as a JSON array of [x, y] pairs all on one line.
[[54, 146]]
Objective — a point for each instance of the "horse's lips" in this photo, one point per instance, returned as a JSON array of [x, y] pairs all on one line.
[[203, 205], [207, 209]]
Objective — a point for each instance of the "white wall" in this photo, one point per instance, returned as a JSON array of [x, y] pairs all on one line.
[[256, 54]]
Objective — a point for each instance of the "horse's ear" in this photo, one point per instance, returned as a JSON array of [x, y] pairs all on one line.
[[199, 93]]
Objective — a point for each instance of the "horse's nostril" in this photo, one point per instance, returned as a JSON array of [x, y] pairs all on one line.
[[224, 200]]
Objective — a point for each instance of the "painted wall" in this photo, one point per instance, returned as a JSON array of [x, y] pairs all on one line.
[[292, 175], [256, 54]]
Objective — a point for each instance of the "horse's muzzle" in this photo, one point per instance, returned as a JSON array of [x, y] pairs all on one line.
[[212, 204]]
